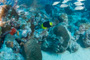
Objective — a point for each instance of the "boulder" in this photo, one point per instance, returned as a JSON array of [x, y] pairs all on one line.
[[53, 44], [86, 38], [10, 42], [73, 46], [57, 41], [32, 50], [63, 17], [63, 32]]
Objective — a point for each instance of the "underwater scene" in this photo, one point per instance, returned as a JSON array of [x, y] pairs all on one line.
[[44, 29]]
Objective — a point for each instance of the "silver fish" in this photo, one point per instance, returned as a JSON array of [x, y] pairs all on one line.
[[65, 1], [81, 0], [55, 3], [79, 8], [63, 5], [78, 3]]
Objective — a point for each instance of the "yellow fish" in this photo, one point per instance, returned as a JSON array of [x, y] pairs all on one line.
[[18, 33]]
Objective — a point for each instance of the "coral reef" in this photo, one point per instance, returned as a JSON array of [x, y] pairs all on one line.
[[12, 43], [70, 30], [10, 49]]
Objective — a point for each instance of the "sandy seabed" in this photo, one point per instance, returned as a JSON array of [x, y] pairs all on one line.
[[81, 54]]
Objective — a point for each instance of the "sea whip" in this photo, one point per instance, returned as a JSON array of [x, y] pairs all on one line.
[[15, 4]]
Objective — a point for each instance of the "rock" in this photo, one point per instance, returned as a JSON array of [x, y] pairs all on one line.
[[53, 44], [6, 29], [57, 41], [62, 31], [87, 43], [86, 38], [63, 17], [9, 44], [14, 13], [12, 43], [73, 46], [32, 50]]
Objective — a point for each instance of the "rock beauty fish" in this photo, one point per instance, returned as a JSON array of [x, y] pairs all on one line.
[[46, 25]]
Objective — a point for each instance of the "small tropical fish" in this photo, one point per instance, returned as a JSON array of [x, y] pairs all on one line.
[[79, 8], [63, 5], [46, 25], [80, 0], [55, 3], [65, 1], [18, 33], [78, 3]]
